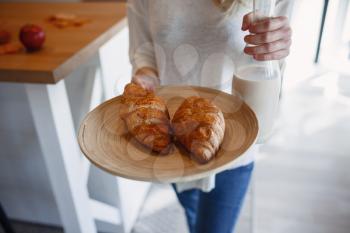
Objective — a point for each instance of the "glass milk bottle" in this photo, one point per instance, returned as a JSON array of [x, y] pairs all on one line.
[[259, 82]]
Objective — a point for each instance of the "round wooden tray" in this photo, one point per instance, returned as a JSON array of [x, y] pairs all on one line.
[[104, 140]]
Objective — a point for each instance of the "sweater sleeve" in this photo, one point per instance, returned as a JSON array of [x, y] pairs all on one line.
[[141, 48]]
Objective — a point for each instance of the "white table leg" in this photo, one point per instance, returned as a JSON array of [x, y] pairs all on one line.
[[54, 125]]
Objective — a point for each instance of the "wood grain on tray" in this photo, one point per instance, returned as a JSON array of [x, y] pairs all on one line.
[[106, 142]]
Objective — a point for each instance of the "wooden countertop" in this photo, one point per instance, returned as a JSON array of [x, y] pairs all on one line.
[[65, 48]]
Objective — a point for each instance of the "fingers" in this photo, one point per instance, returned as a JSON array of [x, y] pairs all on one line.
[[263, 25], [268, 37], [147, 82], [143, 84], [247, 21], [268, 47], [277, 55], [146, 86], [149, 71], [272, 37], [269, 24]]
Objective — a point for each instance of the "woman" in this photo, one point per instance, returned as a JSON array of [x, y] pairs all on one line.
[[197, 42]]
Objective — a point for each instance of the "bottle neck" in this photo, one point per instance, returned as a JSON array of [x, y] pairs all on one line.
[[263, 8]]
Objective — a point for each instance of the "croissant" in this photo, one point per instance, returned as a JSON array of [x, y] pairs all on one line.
[[146, 117], [199, 126]]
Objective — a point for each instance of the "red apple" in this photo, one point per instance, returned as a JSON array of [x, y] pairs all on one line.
[[32, 37], [5, 36]]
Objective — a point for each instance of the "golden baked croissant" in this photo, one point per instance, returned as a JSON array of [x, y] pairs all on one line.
[[146, 117], [199, 126]]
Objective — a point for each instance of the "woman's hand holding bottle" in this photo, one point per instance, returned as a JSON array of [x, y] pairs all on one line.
[[270, 37]]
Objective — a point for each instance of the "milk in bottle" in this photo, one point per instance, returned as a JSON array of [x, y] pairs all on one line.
[[259, 82]]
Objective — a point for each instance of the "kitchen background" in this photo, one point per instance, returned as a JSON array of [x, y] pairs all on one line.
[[302, 177]]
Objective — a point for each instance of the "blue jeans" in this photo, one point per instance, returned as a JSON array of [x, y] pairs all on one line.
[[217, 211]]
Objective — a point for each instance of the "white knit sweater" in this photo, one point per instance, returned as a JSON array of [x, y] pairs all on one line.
[[190, 42]]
